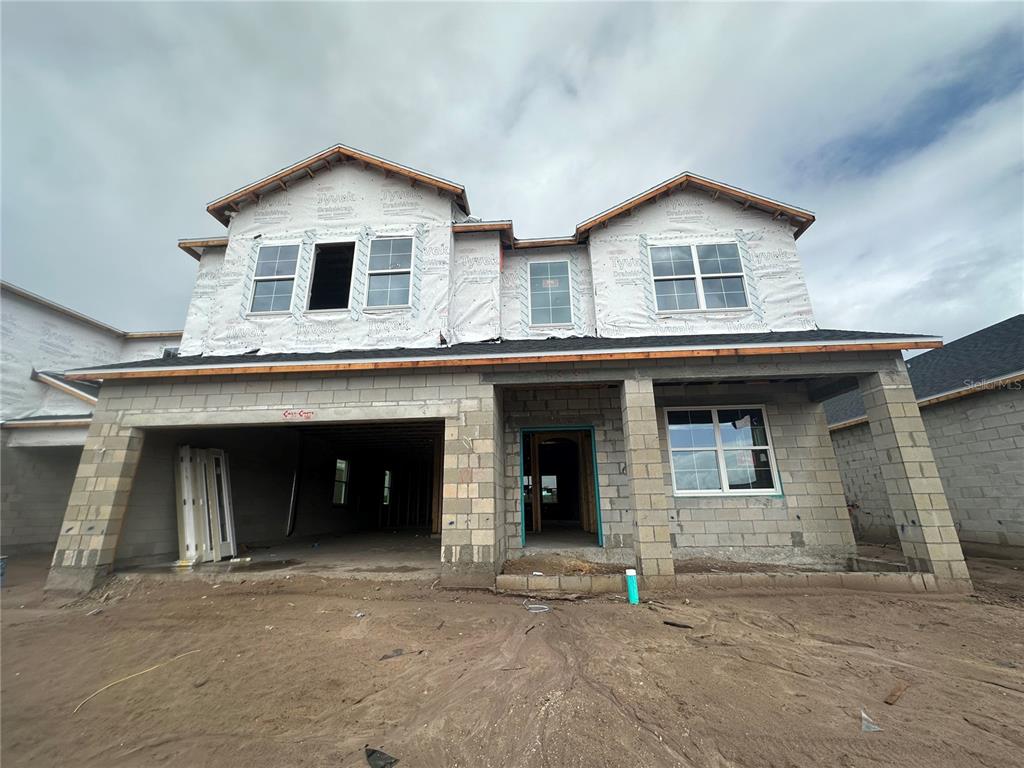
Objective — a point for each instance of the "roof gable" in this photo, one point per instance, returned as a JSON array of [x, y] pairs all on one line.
[[326, 160], [798, 217]]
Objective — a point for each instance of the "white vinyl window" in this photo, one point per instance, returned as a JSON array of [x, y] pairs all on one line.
[[550, 302], [390, 272], [720, 451], [700, 277], [275, 278]]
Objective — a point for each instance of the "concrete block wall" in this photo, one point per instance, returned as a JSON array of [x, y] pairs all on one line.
[[96, 508], [34, 489], [652, 540], [128, 410], [978, 445], [806, 521], [596, 405], [472, 530], [863, 485], [920, 510]]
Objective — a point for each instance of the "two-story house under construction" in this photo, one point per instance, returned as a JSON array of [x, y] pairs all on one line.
[[361, 354]]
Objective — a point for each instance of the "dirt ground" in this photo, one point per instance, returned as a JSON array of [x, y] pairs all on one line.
[[287, 673], [560, 565]]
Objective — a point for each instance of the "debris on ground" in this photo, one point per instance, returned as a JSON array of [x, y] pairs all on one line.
[[399, 652], [895, 693], [536, 607], [129, 677], [375, 758], [677, 624], [867, 725]]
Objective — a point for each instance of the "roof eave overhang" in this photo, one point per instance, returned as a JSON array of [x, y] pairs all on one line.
[[326, 160], [60, 386], [543, 358], [195, 246], [505, 231], [55, 423]]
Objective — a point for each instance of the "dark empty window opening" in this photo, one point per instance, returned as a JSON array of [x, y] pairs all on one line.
[[332, 276]]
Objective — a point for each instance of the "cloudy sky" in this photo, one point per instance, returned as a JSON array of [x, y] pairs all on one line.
[[901, 126]]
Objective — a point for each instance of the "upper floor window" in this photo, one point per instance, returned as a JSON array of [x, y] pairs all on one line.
[[332, 276], [549, 293], [719, 450], [275, 278], [390, 272], [698, 277]]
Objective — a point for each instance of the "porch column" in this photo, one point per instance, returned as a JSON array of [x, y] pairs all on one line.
[[919, 507], [651, 540], [99, 497], [471, 545]]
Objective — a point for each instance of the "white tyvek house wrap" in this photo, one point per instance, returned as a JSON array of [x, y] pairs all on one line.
[[40, 337], [624, 288], [515, 294], [475, 313], [346, 204]]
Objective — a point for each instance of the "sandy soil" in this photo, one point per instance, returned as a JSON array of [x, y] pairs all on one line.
[[286, 674]]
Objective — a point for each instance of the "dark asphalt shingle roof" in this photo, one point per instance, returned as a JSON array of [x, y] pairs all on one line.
[[990, 353], [524, 347]]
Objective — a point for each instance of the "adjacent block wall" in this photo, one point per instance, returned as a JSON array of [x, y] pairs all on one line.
[[978, 445], [863, 485], [36, 484], [806, 522]]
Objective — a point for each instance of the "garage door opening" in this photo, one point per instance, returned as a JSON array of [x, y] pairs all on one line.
[[353, 496]]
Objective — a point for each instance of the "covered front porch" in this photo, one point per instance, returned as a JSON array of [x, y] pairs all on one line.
[[711, 460]]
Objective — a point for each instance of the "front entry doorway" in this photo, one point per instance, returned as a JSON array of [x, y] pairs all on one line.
[[560, 496]]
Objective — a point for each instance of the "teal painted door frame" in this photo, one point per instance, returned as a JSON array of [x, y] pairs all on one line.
[[523, 432]]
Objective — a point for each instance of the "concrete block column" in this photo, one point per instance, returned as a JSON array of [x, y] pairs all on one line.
[[919, 507], [648, 499], [472, 545], [99, 497]]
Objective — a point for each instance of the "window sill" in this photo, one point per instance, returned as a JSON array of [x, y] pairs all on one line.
[[373, 310], [539, 327], [274, 313], [767, 492], [334, 310], [674, 312]]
